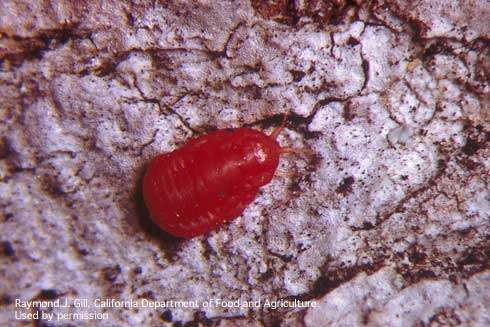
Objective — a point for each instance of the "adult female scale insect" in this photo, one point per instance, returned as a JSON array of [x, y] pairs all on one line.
[[210, 180]]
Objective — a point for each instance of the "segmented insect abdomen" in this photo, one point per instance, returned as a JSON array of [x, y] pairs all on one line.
[[194, 189], [209, 180]]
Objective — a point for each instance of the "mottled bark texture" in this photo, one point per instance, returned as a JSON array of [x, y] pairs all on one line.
[[386, 224]]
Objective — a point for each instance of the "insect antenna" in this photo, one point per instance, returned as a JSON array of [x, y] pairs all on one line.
[[278, 130], [287, 149]]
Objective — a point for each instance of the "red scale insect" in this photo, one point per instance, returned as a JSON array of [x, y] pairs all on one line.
[[210, 180]]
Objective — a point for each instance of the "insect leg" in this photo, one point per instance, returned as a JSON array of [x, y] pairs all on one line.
[[308, 153]]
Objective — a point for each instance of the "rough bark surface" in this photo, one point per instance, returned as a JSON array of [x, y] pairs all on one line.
[[388, 224]]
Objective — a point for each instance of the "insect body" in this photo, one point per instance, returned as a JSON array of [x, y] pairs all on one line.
[[210, 180]]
